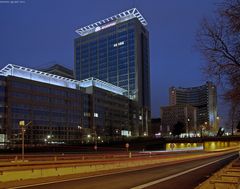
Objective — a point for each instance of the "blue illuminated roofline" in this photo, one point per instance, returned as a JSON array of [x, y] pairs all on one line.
[[121, 17], [102, 84], [36, 75]]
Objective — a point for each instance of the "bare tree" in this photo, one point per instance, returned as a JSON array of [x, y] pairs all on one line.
[[219, 42]]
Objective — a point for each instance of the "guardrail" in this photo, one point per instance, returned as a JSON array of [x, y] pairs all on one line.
[[95, 156], [29, 170]]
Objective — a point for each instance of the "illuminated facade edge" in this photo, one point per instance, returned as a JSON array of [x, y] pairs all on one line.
[[35, 75], [102, 24]]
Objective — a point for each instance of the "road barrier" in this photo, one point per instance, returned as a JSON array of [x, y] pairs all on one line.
[[31, 171], [60, 171]]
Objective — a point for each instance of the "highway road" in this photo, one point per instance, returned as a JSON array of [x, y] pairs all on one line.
[[181, 175]]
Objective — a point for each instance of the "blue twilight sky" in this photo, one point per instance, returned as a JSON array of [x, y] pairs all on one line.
[[37, 32]]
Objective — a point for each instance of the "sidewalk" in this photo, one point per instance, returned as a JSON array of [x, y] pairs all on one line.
[[226, 178]]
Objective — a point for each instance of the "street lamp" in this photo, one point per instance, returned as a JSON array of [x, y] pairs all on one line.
[[202, 129], [206, 125], [48, 139], [188, 120], [22, 125], [80, 129], [217, 122]]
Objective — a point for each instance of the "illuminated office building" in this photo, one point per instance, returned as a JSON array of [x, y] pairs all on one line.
[[116, 50], [203, 97], [62, 110]]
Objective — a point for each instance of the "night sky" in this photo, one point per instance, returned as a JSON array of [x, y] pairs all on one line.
[[38, 32]]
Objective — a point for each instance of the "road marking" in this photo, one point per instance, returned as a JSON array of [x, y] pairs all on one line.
[[94, 176], [86, 177], [178, 174]]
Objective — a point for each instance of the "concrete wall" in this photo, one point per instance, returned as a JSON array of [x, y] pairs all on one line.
[[206, 146], [217, 145], [184, 146]]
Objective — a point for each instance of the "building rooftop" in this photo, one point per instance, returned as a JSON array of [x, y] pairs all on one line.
[[111, 21], [36, 75], [208, 83], [60, 70], [102, 84]]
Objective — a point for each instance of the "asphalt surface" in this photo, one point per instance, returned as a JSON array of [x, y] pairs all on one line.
[[135, 179]]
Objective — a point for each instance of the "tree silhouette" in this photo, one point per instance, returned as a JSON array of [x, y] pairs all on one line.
[[178, 128], [219, 42], [238, 127]]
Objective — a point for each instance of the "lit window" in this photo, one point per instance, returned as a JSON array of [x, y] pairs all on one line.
[[86, 114]]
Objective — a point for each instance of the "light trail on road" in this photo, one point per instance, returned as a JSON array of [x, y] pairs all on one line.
[[167, 176]]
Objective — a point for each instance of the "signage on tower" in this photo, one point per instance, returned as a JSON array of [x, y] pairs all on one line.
[[98, 28]]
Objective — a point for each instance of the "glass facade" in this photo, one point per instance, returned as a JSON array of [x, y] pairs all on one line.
[[2, 104], [61, 115], [119, 55], [111, 114], [109, 56], [55, 112], [62, 110]]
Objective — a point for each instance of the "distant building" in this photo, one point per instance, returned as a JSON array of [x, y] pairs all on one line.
[[204, 98], [60, 70], [116, 50], [184, 113], [63, 110]]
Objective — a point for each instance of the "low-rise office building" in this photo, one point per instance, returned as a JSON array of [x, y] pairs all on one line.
[[63, 110], [183, 113]]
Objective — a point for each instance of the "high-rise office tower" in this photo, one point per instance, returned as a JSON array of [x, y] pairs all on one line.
[[116, 50], [203, 97]]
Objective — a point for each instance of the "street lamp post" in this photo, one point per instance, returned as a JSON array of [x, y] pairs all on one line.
[[80, 132], [22, 125], [218, 123], [95, 140], [188, 120], [202, 128], [206, 125]]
